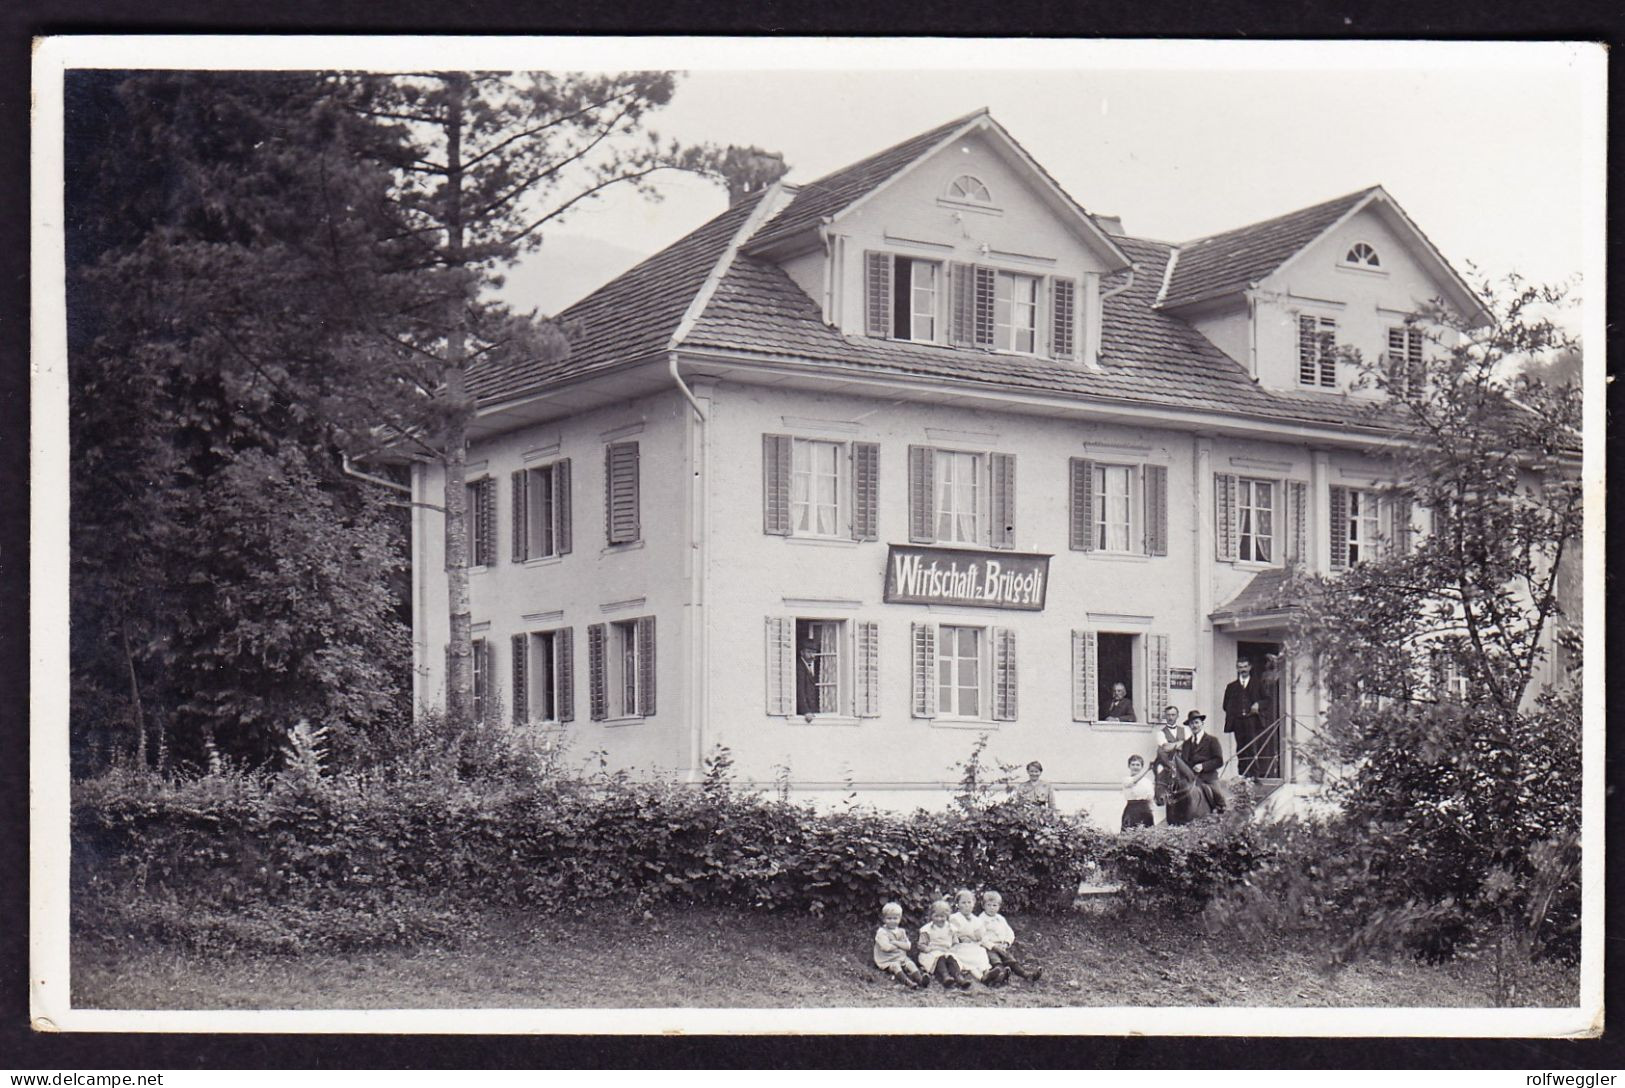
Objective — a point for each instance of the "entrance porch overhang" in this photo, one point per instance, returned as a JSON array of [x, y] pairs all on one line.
[[1260, 606]]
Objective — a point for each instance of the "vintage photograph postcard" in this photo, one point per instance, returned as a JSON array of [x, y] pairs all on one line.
[[799, 536]]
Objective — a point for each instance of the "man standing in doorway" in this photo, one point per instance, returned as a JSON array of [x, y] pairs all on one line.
[[1241, 715], [807, 674]]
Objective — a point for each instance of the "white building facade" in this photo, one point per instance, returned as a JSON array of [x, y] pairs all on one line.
[[921, 451]]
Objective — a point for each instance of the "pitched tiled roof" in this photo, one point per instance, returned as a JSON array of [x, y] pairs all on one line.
[[833, 192], [1147, 356], [1264, 592], [630, 316], [1222, 263]]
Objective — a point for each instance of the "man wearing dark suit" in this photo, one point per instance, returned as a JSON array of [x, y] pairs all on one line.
[[807, 676], [1206, 757], [1242, 715]]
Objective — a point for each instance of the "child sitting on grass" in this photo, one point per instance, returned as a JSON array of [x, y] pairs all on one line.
[[892, 947], [1000, 940], [936, 943], [968, 950]]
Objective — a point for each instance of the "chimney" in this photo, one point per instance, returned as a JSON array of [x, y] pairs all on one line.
[[749, 170], [1111, 224]]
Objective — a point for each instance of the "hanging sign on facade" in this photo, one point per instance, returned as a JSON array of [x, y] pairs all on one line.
[[1182, 679], [963, 577]]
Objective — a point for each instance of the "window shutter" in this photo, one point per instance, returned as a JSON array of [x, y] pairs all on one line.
[[521, 680], [1398, 377], [1004, 674], [1063, 318], [564, 673], [925, 670], [781, 664], [1297, 513], [621, 492], [1340, 527], [1083, 504], [983, 306], [1308, 355], [962, 316], [868, 670], [1224, 513], [865, 491], [922, 494], [1003, 491], [561, 506], [1156, 671], [521, 523], [1156, 509], [597, 682], [1084, 708], [646, 666], [488, 520], [877, 274], [1401, 506], [776, 484]]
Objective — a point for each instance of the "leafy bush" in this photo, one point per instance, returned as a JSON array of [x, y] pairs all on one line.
[[302, 860]]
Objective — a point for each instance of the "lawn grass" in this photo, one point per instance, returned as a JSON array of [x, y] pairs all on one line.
[[725, 959]]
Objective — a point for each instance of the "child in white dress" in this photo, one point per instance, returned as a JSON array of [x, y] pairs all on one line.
[[968, 948], [936, 948], [999, 940], [892, 947]]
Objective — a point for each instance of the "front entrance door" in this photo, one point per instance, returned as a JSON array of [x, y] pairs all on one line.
[[1263, 757]]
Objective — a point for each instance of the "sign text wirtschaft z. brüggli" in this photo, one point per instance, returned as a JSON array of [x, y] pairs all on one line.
[[975, 578]]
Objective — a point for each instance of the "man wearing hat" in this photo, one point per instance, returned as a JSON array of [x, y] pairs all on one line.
[[807, 673], [1205, 756]]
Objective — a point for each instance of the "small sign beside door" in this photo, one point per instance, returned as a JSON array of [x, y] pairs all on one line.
[[1182, 679]]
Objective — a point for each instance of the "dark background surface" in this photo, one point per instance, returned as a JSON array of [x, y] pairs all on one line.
[[20, 21]]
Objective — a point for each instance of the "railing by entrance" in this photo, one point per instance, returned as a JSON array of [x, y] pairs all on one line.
[[1261, 757]]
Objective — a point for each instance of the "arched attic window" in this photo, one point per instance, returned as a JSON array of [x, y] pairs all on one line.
[[1362, 255], [970, 190]]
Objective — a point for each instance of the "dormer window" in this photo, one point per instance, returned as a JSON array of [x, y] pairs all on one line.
[[1361, 255], [970, 190], [914, 299]]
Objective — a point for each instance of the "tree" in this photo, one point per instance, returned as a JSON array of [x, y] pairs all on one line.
[[1459, 780], [483, 161], [226, 577]]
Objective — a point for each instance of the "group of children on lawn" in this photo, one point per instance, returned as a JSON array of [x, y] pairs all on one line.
[[955, 948]]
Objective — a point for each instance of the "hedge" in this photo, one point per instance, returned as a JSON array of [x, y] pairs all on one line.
[[285, 863]]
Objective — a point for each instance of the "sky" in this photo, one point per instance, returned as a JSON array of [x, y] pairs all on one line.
[[1482, 147]]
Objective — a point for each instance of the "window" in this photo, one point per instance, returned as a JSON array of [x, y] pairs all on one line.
[[1317, 351], [815, 488], [819, 667], [1363, 525], [969, 189], [1405, 370], [1015, 313], [1116, 689], [541, 512], [964, 673], [959, 497], [820, 489], [543, 687], [1118, 676], [1255, 520], [482, 522], [1118, 508], [621, 668], [1114, 513], [959, 672], [621, 514], [914, 299], [1362, 255]]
